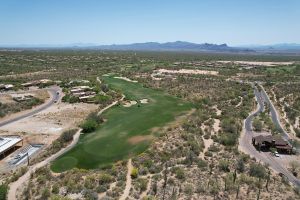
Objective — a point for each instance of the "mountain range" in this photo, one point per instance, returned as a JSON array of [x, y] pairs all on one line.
[[174, 46]]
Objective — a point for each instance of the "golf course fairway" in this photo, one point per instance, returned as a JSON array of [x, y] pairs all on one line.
[[128, 130]]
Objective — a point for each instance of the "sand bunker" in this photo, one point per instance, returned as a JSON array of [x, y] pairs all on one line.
[[187, 71], [126, 79], [144, 101], [139, 138], [131, 103], [255, 63]]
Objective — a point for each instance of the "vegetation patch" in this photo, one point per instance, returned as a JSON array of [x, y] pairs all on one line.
[[111, 141]]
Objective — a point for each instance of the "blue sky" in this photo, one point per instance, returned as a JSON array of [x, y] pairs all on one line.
[[235, 22]]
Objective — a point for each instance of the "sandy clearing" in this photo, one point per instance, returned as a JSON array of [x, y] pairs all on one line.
[[144, 101], [216, 125], [218, 112], [53, 120], [6, 99], [268, 64], [207, 144], [139, 138], [125, 79], [187, 71], [128, 104]]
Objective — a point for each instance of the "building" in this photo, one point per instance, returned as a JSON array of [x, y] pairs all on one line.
[[265, 142], [37, 82], [22, 98], [8, 87], [8, 144]]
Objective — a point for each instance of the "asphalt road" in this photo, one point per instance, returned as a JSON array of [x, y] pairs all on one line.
[[274, 115], [54, 97], [246, 139]]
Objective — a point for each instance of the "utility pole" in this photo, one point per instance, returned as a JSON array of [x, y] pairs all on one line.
[[27, 159]]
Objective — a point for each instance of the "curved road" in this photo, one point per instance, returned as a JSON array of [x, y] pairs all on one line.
[[54, 97], [246, 138], [14, 186]]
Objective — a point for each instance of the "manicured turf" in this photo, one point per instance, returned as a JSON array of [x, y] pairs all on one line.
[[110, 142]]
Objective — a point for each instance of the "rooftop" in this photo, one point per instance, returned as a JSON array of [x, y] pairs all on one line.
[[8, 142]]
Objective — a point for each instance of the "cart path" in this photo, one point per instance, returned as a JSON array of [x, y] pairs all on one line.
[[14, 186]]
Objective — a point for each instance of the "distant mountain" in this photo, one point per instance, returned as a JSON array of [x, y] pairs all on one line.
[[275, 47], [173, 46]]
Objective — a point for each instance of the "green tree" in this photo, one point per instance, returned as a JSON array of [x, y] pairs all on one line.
[[3, 192]]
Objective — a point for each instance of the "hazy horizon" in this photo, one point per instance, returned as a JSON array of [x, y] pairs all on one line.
[[236, 23]]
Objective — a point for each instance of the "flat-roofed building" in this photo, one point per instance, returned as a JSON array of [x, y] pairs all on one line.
[[8, 143]]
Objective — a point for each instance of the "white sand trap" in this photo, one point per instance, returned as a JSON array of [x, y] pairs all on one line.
[[128, 104], [126, 79], [188, 71], [268, 64], [144, 101]]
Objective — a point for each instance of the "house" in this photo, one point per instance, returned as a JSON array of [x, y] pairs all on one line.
[[86, 98], [45, 81], [22, 98], [265, 142], [36, 83], [8, 87], [29, 84]]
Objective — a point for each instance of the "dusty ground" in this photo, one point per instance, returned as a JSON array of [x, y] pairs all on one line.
[[126, 79], [130, 103], [6, 98], [51, 121], [268, 64], [139, 138], [187, 71]]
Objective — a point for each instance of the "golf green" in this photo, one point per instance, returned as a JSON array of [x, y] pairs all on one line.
[[127, 131]]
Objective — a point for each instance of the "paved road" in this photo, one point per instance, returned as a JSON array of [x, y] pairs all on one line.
[[246, 139], [274, 115], [54, 97], [14, 186]]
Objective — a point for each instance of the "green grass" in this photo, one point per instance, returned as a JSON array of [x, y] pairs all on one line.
[[110, 142]]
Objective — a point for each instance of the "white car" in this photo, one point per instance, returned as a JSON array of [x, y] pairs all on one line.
[[276, 154]]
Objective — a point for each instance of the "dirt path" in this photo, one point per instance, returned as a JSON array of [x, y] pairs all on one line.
[[128, 181], [216, 125], [240, 103], [111, 105], [144, 194], [14, 186], [207, 144]]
